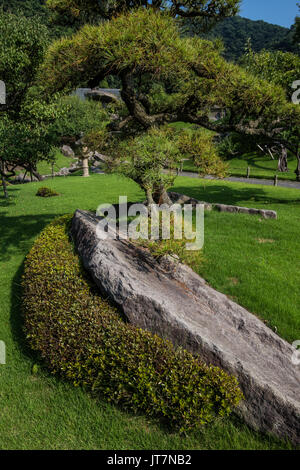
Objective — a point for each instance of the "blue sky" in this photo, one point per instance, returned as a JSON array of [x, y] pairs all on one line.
[[280, 12]]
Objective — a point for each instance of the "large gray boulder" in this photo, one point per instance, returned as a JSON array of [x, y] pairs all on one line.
[[178, 198], [168, 298]]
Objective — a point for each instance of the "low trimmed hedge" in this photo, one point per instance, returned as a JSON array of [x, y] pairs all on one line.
[[84, 339], [46, 192]]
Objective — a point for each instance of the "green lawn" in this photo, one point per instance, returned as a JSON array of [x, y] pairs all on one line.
[[39, 411], [260, 167]]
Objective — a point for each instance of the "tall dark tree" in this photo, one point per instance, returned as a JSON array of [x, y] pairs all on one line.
[[209, 11]]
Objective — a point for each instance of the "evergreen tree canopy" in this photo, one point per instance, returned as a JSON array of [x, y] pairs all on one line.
[[23, 44], [235, 32], [297, 27], [209, 11]]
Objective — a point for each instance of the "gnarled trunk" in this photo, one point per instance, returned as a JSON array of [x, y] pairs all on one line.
[[283, 162]]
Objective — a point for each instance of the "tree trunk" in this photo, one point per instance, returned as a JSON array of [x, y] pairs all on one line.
[[282, 162], [2, 171], [85, 166]]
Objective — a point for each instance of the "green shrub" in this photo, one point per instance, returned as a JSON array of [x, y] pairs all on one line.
[[83, 338], [46, 192]]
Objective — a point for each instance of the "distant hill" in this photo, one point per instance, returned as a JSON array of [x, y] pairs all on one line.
[[234, 32]]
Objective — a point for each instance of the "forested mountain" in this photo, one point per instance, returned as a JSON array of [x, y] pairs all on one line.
[[234, 32]]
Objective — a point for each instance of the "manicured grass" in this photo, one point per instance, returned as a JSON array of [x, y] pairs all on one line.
[[39, 411], [260, 167]]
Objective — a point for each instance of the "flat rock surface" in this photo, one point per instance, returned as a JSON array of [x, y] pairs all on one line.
[[168, 298]]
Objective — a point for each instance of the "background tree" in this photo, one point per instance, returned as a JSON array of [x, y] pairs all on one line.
[[22, 145], [236, 31], [37, 10]]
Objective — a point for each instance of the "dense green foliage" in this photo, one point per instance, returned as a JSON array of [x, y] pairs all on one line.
[[297, 29], [24, 144], [267, 286], [24, 119], [234, 31], [144, 157], [28, 8], [201, 148], [78, 118], [37, 10], [167, 78], [283, 69], [83, 338]]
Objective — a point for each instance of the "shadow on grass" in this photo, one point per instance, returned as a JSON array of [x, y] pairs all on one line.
[[17, 233], [223, 194]]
